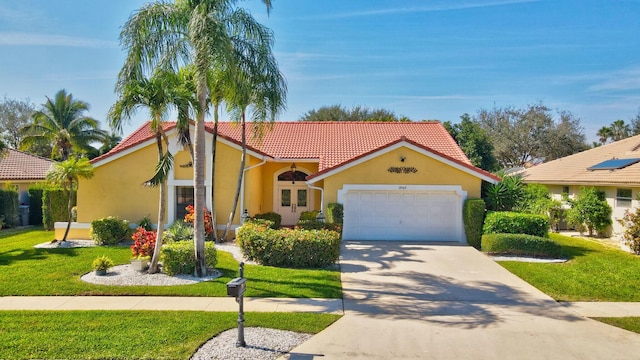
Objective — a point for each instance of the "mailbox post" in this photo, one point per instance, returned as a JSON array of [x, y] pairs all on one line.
[[236, 288]]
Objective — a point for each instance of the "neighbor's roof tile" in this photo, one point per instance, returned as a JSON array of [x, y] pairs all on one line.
[[18, 165], [573, 169]]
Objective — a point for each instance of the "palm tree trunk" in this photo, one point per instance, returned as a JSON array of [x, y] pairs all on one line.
[[153, 267], [198, 176], [240, 176], [69, 207], [214, 147]]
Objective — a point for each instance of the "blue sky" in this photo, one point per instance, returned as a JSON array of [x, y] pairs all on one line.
[[421, 59]]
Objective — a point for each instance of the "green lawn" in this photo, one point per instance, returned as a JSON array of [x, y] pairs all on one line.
[[627, 323], [25, 270], [130, 335], [594, 272]]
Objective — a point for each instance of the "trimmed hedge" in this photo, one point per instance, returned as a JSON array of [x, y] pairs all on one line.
[[520, 244], [35, 192], [308, 215], [288, 248], [54, 207], [179, 258], [9, 207], [109, 231], [473, 217], [335, 213], [507, 222], [274, 218]]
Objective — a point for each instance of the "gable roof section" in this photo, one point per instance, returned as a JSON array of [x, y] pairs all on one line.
[[574, 169], [332, 143], [18, 165], [404, 142]]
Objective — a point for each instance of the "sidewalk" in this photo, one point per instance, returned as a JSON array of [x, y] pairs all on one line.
[[332, 306], [329, 306]]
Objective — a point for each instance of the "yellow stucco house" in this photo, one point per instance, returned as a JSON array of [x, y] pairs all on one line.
[[396, 181]]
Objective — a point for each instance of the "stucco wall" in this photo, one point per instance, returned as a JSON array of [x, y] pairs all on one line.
[[375, 171]]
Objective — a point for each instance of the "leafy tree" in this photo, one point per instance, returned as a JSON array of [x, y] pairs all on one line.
[[111, 140], [505, 195], [199, 32], [259, 85], [619, 130], [157, 94], [631, 235], [590, 210], [62, 125], [66, 174], [531, 134], [357, 113], [474, 142], [14, 115], [3, 148]]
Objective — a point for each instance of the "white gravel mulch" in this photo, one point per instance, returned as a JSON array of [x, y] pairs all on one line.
[[262, 344], [66, 244], [124, 275]]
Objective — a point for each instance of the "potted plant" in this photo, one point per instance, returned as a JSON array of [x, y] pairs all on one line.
[[144, 242], [101, 264]]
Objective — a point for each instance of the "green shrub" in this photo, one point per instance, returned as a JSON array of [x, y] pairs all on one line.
[[288, 248], [54, 207], [631, 235], [109, 231], [9, 207], [473, 217], [590, 210], [317, 225], [507, 222], [308, 215], [35, 203], [102, 263], [275, 218], [179, 258], [504, 195], [335, 213], [145, 223], [178, 231], [520, 244]]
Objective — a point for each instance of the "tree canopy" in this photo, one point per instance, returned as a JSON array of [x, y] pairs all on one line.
[[531, 134], [14, 115], [356, 113], [474, 142]]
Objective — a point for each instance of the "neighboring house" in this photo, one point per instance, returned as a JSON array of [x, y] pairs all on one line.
[[20, 170], [613, 168], [397, 181]]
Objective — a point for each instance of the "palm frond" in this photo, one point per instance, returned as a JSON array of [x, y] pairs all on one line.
[[162, 170]]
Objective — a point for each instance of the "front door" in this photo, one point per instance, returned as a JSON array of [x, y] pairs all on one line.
[[292, 200]]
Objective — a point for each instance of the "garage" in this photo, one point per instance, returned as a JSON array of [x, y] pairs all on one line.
[[403, 212]]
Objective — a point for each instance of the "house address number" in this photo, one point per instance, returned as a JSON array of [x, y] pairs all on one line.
[[402, 170]]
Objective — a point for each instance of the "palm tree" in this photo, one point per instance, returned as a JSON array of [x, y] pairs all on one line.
[[199, 32], [619, 130], [111, 140], [62, 125], [67, 174], [157, 94], [604, 134], [259, 85]]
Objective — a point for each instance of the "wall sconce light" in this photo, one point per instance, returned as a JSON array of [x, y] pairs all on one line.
[[293, 173], [402, 158]]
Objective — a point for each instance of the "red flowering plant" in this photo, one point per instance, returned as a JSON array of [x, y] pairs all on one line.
[[144, 242], [190, 216]]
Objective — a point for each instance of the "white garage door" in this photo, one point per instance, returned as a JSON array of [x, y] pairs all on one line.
[[409, 215]]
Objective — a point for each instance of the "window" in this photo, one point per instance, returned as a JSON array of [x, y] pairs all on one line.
[[565, 190], [623, 198], [184, 198]]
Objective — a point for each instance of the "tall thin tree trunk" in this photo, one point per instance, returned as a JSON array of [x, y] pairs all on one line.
[[240, 176], [198, 178], [69, 207], [153, 267], [214, 217]]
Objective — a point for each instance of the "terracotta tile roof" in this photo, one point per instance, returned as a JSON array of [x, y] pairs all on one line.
[[573, 169], [332, 143], [18, 165]]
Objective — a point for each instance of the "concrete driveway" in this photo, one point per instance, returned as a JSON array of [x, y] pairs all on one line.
[[426, 301]]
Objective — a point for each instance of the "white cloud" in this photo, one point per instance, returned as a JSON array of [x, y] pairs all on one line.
[[433, 8], [36, 39]]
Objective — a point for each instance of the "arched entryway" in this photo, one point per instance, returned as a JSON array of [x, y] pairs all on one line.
[[291, 195]]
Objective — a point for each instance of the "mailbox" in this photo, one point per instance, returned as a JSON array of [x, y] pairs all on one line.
[[236, 287]]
